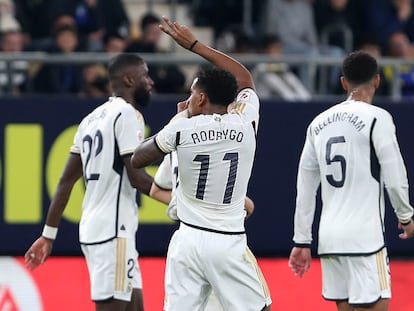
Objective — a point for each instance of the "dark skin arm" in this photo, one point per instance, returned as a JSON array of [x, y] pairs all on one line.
[[145, 154], [184, 37], [248, 206], [139, 178], [42, 247], [70, 175]]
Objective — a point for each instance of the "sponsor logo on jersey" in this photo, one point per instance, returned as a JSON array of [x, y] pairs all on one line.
[[244, 96]]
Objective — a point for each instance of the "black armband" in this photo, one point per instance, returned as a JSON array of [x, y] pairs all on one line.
[[302, 245], [405, 223], [192, 45]]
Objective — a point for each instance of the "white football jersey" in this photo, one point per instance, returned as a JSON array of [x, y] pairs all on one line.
[[104, 137], [166, 176], [351, 150], [215, 157]]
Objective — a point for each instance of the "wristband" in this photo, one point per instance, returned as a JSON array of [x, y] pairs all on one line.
[[405, 221], [49, 232], [302, 245], [192, 45]]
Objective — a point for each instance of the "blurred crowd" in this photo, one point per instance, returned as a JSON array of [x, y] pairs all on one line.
[[385, 28], [279, 27], [70, 26]]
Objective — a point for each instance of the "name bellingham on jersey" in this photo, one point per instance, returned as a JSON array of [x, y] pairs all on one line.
[[340, 117]]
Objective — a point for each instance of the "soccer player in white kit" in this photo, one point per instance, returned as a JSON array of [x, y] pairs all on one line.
[[166, 178], [163, 189], [164, 186], [101, 153], [351, 150], [215, 152]]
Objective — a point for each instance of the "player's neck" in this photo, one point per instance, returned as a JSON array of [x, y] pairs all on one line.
[[361, 94], [125, 97], [212, 109]]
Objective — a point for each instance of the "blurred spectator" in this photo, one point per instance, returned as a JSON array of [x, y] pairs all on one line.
[[93, 18], [149, 36], [61, 78], [12, 42], [116, 20], [36, 19], [401, 47], [215, 14], [374, 49], [276, 79], [96, 82], [114, 44], [293, 21], [66, 20], [88, 19], [96, 18], [385, 17], [8, 22], [167, 78], [335, 18], [235, 40]]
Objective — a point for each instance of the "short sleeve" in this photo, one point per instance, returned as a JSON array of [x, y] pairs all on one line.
[[129, 130], [168, 138], [163, 176], [247, 104], [76, 147]]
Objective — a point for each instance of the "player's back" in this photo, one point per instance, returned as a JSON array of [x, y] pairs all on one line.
[[215, 157], [352, 192], [103, 139], [217, 152]]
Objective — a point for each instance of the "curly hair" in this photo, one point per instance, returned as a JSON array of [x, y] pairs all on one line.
[[219, 85], [359, 67]]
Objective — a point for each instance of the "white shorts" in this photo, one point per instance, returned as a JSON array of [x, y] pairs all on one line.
[[360, 280], [199, 261], [113, 269], [213, 304]]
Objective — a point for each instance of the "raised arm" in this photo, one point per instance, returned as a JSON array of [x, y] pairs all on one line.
[[184, 37]]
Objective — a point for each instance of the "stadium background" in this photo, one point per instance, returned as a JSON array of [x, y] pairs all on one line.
[[36, 134]]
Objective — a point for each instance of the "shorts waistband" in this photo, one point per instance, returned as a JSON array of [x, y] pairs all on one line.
[[213, 230]]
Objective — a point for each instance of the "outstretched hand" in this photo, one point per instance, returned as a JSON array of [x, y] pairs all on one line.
[[180, 33], [300, 260], [38, 253]]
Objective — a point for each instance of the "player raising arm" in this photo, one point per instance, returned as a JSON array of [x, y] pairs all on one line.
[[215, 154], [166, 178]]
